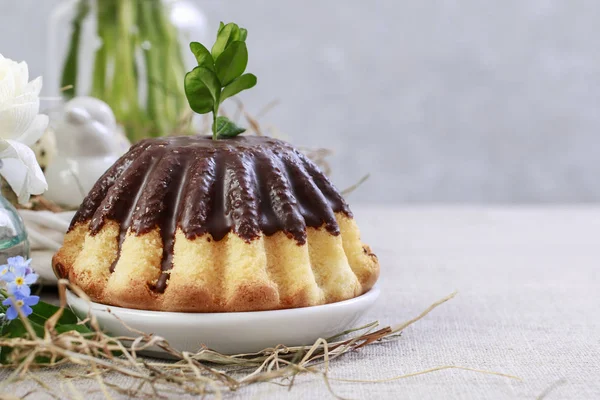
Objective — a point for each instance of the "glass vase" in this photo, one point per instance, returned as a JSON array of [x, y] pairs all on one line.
[[132, 54], [13, 237]]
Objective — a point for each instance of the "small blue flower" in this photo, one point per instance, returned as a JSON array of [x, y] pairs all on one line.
[[19, 280], [21, 301], [5, 269], [12, 263], [19, 261]]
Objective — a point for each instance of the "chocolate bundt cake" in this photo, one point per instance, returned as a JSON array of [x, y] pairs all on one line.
[[199, 225]]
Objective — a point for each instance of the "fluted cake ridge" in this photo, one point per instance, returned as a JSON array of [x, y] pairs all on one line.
[[244, 184], [249, 185]]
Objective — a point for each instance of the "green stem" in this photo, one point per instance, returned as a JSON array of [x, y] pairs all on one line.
[[100, 62], [172, 65], [161, 27], [69, 75], [214, 125], [153, 58], [105, 56], [125, 89], [115, 74]]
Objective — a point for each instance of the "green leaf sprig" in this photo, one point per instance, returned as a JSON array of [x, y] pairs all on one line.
[[218, 76], [42, 312]]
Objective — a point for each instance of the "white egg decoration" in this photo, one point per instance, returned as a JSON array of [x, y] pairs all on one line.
[[45, 148]]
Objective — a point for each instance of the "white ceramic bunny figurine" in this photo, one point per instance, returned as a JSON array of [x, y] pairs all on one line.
[[88, 141]]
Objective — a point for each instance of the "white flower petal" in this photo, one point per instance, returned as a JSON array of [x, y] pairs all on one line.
[[21, 170], [20, 99], [35, 130], [4, 67], [7, 84], [16, 119], [35, 86], [21, 71], [20, 120]]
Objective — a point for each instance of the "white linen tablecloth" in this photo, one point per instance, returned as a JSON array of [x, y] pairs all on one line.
[[528, 305]]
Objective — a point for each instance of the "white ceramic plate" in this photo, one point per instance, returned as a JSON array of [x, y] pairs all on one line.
[[232, 333]]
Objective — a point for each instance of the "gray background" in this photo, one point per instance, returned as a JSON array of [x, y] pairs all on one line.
[[441, 101]]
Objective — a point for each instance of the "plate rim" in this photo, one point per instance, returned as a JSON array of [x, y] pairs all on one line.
[[372, 294]]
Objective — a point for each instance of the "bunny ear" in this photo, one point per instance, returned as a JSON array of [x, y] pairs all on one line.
[[77, 116], [21, 170]]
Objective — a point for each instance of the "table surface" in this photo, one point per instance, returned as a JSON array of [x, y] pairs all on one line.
[[528, 305]]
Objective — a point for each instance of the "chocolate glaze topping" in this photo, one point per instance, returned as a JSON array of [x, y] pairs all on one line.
[[248, 185]]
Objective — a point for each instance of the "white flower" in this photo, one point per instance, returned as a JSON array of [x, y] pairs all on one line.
[[21, 126]]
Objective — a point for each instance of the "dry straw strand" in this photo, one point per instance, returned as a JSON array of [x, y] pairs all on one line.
[[205, 373]]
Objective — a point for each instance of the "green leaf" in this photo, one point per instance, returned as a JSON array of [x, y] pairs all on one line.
[[219, 75], [232, 62], [202, 55], [203, 89], [72, 327], [43, 310], [227, 128], [244, 82], [229, 33], [243, 34], [15, 329], [41, 313]]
